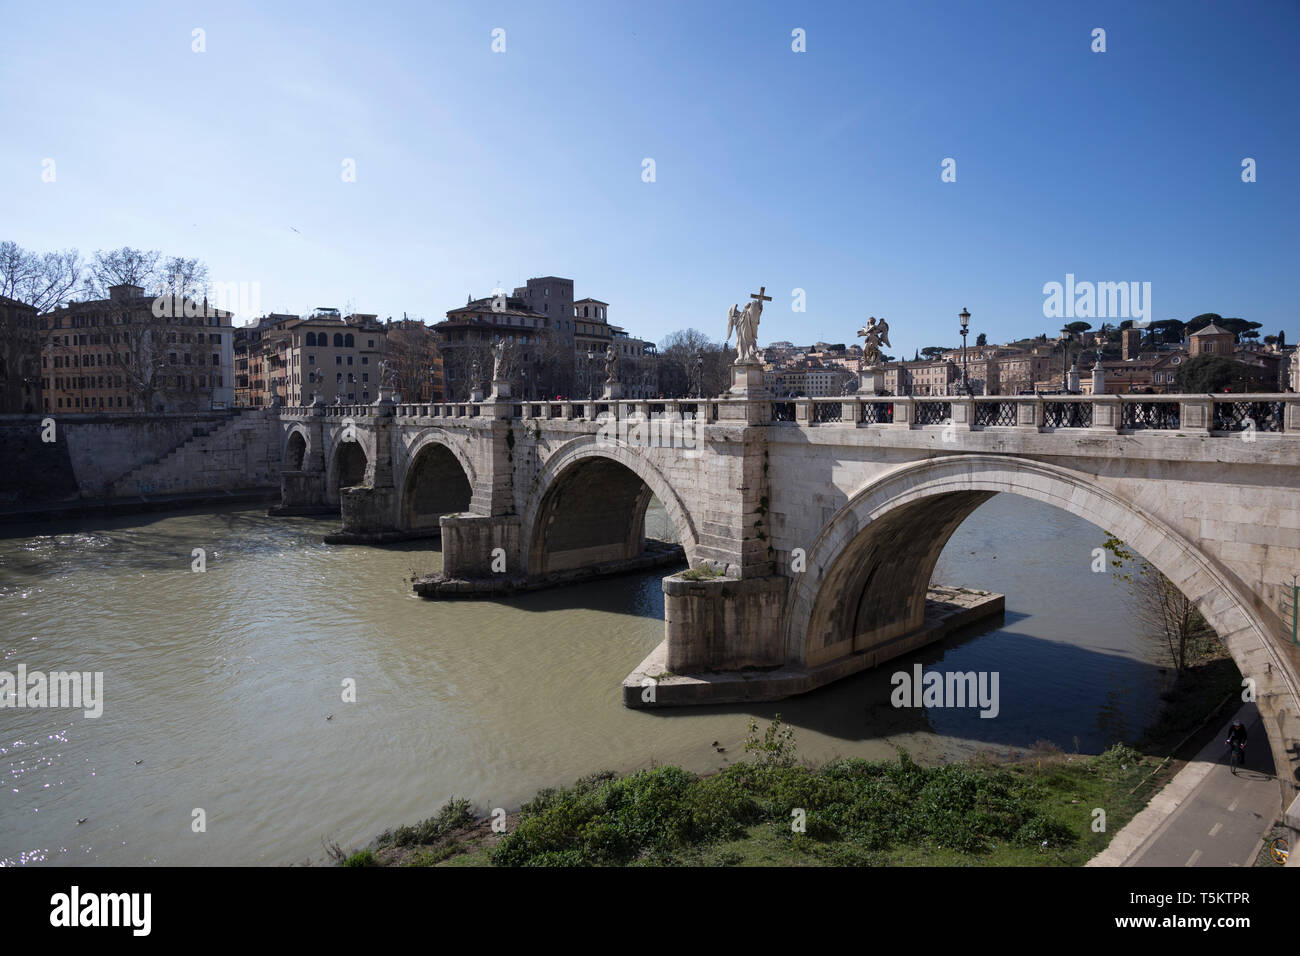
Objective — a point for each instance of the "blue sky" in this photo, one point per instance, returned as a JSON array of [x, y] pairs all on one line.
[[816, 170]]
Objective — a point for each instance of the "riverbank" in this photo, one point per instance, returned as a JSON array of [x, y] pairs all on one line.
[[134, 504], [851, 812], [1040, 809]]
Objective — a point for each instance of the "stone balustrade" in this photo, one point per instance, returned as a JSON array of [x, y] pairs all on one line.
[[1190, 414]]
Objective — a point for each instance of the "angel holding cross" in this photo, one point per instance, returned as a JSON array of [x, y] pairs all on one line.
[[745, 325]]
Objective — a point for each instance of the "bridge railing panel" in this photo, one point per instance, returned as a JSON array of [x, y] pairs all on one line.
[[926, 412], [1151, 412], [1067, 414], [783, 411], [868, 413], [827, 412], [998, 412], [1240, 416]]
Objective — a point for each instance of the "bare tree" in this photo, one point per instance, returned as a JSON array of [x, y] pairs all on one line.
[[125, 266], [41, 281], [182, 278], [689, 362], [1164, 613]]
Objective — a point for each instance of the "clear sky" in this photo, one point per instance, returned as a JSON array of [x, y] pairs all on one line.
[[817, 170]]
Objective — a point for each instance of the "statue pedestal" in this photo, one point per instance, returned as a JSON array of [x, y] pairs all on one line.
[[500, 389], [613, 391], [476, 393], [1098, 379], [872, 381], [747, 382]]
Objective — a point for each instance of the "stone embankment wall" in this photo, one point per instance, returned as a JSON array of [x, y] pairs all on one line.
[[106, 456]]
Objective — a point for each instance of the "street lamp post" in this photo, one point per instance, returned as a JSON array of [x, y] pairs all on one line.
[[699, 376], [1065, 360], [964, 316], [591, 377]]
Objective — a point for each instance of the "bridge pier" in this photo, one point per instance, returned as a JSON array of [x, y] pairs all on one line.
[[301, 492], [724, 642], [302, 479], [480, 546], [723, 624]]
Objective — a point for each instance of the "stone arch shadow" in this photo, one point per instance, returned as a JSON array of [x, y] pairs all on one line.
[[296, 451], [869, 567], [564, 493], [348, 463], [437, 478]]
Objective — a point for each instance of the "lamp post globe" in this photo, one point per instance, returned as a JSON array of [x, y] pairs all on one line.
[[964, 318]]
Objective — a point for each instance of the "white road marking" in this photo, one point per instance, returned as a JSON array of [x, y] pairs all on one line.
[[1216, 828], [1193, 858], [1233, 806]]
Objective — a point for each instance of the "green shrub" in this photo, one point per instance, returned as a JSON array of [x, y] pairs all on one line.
[[453, 815]]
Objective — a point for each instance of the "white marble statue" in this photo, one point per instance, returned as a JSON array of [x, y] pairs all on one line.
[[501, 362], [745, 325]]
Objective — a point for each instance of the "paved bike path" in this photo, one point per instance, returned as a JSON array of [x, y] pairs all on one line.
[[1206, 815]]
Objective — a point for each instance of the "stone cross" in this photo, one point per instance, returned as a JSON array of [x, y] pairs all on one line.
[[760, 297]]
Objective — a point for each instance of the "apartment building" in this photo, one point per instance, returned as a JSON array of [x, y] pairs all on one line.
[[134, 352], [559, 342], [338, 360], [20, 351]]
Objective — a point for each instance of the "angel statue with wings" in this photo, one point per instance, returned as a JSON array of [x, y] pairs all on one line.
[[745, 325], [874, 334]]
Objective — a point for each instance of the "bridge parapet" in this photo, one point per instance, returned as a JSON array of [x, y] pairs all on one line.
[[588, 411], [1222, 414]]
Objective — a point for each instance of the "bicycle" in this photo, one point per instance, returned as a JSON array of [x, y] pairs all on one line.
[[1279, 850], [1236, 755]]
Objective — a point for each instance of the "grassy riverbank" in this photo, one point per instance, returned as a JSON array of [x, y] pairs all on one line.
[[770, 810], [767, 812]]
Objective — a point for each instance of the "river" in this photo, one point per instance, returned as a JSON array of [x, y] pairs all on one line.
[[223, 689]]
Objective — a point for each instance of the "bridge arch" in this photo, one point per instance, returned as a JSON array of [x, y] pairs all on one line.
[[438, 479], [297, 449], [347, 467], [566, 511], [870, 566]]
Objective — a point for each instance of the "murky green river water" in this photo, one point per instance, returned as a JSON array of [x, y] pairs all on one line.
[[217, 685]]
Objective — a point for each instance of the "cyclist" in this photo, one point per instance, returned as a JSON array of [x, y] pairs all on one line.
[[1237, 738]]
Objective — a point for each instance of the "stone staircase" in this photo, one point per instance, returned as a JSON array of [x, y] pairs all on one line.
[[242, 452]]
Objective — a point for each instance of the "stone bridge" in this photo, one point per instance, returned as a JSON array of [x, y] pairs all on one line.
[[812, 527]]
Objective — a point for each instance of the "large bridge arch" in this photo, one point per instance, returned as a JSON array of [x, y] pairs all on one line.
[[438, 478], [870, 565], [563, 492], [297, 449]]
